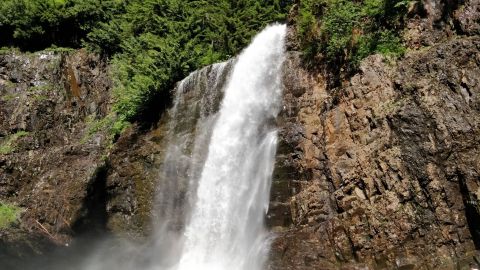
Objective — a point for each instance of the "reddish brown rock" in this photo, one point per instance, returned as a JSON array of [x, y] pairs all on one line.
[[387, 165]]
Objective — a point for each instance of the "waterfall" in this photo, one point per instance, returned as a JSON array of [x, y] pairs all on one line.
[[190, 124], [226, 227], [214, 185]]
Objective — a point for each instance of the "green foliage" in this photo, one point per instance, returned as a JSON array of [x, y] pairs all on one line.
[[110, 124], [8, 50], [388, 43], [152, 43], [8, 214], [158, 42], [8, 145], [343, 32], [47, 22]]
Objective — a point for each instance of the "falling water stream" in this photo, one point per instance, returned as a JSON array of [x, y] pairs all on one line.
[[226, 227], [214, 186], [218, 165]]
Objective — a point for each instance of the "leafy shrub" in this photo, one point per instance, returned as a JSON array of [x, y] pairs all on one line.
[[343, 32], [8, 215]]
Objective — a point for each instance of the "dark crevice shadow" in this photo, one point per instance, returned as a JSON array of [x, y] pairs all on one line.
[[89, 232], [154, 109], [471, 210], [94, 217]]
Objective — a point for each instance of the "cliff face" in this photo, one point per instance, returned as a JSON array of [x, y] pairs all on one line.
[[48, 164], [383, 171], [57, 162]]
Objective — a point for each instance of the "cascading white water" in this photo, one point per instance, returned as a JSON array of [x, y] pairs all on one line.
[[226, 227], [214, 184]]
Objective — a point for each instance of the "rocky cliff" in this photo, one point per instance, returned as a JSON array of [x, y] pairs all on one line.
[[49, 165], [382, 172], [59, 161]]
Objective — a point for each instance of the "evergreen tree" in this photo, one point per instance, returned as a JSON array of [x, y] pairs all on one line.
[[152, 43]]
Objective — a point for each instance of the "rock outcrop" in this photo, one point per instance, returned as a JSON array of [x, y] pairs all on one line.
[[57, 161], [383, 172], [49, 99], [50, 164]]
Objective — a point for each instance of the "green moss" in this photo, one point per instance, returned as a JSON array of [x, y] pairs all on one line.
[[9, 97], [56, 49], [40, 97], [10, 84], [40, 92], [9, 214], [40, 88], [8, 146]]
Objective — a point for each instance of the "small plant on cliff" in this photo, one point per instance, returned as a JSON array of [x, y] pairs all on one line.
[[8, 215], [111, 125], [8, 145], [343, 32], [8, 97]]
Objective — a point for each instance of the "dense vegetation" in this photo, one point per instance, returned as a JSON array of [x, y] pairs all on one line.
[[37, 24], [343, 32], [158, 42], [154, 43]]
